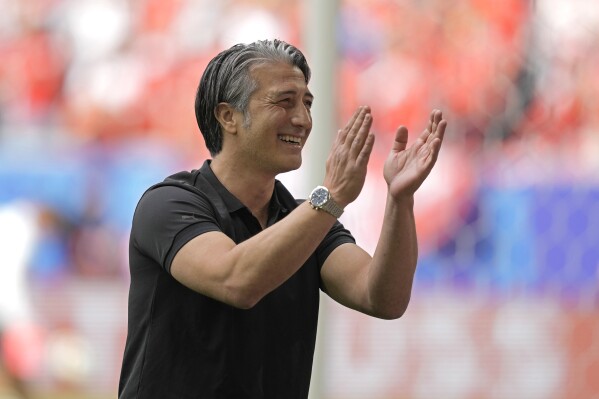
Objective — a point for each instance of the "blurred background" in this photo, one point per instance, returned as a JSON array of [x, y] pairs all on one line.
[[96, 104]]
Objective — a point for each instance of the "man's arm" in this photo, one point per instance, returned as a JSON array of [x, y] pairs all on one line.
[[381, 286], [241, 274]]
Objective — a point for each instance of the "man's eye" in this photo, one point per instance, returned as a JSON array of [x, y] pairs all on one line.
[[308, 104]]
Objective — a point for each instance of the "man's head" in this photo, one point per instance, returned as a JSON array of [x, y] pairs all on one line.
[[227, 79]]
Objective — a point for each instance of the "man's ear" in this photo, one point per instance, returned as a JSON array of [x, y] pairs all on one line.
[[226, 115]]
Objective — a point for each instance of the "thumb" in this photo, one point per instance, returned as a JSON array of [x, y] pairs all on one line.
[[401, 139]]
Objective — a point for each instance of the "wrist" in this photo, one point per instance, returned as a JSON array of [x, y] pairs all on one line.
[[321, 199], [336, 195], [401, 200], [338, 199]]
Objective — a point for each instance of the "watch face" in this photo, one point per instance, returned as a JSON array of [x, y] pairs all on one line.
[[319, 196]]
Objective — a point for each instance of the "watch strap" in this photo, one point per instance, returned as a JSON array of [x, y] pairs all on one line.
[[333, 208], [328, 205]]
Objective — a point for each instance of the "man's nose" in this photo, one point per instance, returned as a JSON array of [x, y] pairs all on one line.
[[302, 117]]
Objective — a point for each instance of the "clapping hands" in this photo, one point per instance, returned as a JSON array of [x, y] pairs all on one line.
[[407, 167]]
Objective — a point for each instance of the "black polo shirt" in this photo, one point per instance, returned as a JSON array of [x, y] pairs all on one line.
[[182, 344]]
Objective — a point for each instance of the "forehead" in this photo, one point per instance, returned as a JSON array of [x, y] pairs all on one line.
[[279, 76]]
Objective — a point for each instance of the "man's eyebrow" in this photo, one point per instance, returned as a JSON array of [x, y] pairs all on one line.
[[292, 92]]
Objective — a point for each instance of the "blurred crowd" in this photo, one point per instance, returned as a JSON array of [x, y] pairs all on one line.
[[110, 71], [105, 70], [96, 103]]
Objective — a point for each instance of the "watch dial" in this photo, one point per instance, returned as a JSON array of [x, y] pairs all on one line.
[[319, 197]]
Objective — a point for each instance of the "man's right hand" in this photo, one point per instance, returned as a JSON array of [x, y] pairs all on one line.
[[348, 160]]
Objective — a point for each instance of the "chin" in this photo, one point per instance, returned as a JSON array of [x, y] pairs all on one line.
[[296, 165], [291, 166]]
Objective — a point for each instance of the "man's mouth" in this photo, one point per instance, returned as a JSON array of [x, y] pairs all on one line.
[[291, 139]]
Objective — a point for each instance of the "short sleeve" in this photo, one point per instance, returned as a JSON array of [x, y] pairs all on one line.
[[337, 236], [168, 217]]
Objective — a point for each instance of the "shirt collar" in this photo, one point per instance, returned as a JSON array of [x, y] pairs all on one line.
[[231, 202]]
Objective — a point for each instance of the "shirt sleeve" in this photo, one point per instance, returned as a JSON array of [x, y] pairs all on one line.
[[168, 217], [337, 236]]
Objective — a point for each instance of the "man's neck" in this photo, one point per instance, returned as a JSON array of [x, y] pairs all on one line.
[[252, 188]]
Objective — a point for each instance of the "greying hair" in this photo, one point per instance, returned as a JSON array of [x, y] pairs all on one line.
[[227, 79]]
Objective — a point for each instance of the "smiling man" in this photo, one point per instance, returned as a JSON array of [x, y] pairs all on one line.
[[226, 266]]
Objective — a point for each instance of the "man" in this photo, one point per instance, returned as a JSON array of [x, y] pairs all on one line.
[[226, 266]]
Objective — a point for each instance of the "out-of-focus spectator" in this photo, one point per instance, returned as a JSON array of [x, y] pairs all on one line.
[[561, 120], [20, 336], [95, 244], [33, 65], [50, 258]]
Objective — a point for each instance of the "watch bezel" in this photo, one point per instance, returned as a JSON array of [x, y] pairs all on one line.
[[319, 196]]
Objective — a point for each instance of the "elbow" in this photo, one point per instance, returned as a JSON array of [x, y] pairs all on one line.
[[391, 311], [241, 291], [244, 303], [392, 314], [243, 298]]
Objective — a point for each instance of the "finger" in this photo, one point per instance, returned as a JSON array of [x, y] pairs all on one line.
[[350, 123], [437, 116], [360, 138], [401, 139], [432, 153], [440, 133], [431, 120], [433, 125], [356, 127], [343, 132], [434, 141], [364, 155], [340, 137], [438, 128], [424, 136], [434, 144]]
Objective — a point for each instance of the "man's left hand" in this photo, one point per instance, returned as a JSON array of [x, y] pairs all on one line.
[[407, 167]]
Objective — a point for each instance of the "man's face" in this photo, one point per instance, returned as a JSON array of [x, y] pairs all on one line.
[[279, 119]]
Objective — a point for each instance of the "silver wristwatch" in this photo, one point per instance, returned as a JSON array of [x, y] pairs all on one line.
[[320, 198]]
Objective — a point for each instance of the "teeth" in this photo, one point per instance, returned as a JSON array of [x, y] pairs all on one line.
[[290, 139]]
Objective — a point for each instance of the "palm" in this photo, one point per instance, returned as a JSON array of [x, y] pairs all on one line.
[[407, 167]]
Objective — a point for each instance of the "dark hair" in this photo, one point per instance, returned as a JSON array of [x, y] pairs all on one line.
[[227, 79]]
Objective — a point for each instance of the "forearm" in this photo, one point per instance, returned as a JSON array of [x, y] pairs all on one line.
[[393, 265], [381, 285], [262, 263]]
